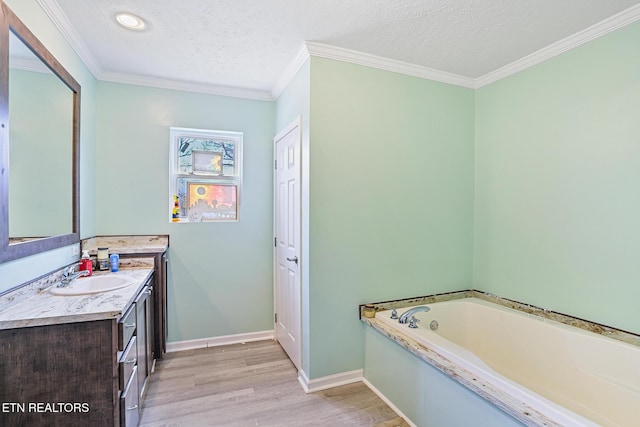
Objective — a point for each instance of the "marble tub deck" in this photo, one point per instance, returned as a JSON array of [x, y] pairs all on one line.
[[512, 406]]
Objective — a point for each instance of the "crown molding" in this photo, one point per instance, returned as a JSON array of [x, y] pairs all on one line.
[[593, 32], [301, 57], [142, 80], [57, 16], [60, 20], [373, 61]]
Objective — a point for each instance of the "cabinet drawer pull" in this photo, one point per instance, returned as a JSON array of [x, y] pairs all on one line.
[[132, 408], [130, 361], [131, 325]]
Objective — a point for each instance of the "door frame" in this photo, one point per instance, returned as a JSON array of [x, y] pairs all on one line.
[[291, 127]]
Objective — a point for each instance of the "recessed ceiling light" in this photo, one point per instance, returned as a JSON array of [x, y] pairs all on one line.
[[131, 21]]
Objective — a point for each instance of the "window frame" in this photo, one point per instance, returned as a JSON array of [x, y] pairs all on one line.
[[179, 179]]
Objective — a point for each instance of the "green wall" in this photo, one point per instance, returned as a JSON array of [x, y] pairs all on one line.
[[19, 271], [220, 274], [557, 183], [391, 199]]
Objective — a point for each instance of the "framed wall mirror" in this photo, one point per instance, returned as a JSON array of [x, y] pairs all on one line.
[[39, 145]]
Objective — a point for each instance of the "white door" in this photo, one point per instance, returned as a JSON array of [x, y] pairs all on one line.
[[287, 241]]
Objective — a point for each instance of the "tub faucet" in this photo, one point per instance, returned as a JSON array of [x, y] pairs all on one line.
[[68, 276], [404, 317]]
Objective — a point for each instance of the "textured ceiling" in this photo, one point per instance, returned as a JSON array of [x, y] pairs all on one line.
[[250, 43]]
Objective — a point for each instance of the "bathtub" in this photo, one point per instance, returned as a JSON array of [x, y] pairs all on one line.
[[540, 371]]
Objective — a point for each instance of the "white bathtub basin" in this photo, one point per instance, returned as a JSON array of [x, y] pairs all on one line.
[[572, 376], [93, 285]]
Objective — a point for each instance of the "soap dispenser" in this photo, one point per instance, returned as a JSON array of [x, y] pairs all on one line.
[[86, 263]]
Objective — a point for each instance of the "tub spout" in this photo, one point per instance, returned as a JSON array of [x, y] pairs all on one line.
[[404, 318]]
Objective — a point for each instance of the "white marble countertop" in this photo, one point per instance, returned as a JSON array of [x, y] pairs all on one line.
[[45, 308], [127, 244]]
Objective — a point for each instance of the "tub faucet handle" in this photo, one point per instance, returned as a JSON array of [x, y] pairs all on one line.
[[413, 322], [394, 314]]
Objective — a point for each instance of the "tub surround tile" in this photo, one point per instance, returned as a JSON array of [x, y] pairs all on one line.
[[127, 244], [34, 305], [607, 331], [410, 302]]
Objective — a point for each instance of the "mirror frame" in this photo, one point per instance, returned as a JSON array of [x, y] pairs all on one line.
[[8, 252]]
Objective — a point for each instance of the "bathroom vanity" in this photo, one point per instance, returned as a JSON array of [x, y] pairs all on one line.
[[78, 359], [74, 358]]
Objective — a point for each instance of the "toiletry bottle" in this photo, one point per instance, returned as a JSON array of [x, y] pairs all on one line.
[[103, 259], [114, 260], [86, 263], [175, 213]]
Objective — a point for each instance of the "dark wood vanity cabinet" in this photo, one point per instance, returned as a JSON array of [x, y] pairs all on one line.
[[158, 298], [144, 336], [60, 375], [92, 373], [135, 354], [129, 365]]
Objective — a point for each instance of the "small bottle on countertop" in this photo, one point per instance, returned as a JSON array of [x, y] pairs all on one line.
[[103, 259], [115, 262], [86, 263]]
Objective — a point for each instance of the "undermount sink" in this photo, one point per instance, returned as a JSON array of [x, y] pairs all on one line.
[[93, 285]]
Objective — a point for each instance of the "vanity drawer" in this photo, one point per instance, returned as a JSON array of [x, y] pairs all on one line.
[[126, 327], [128, 361], [129, 412]]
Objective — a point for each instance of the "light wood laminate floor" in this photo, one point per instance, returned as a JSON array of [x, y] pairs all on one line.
[[252, 384]]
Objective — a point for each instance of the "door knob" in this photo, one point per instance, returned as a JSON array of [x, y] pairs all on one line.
[[294, 259]]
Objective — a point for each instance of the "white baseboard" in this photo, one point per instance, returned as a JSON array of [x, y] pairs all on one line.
[[303, 379], [330, 381], [323, 383], [387, 401], [218, 341]]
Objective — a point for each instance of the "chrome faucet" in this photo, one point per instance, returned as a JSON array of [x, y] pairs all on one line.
[[413, 322], [68, 276], [404, 317]]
